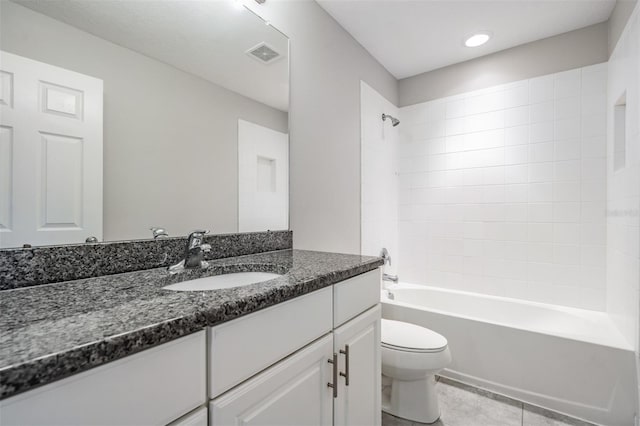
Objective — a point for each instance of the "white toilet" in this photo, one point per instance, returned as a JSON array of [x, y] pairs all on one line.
[[411, 357]]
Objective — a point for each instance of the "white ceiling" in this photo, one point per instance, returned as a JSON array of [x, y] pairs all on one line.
[[205, 38], [409, 37]]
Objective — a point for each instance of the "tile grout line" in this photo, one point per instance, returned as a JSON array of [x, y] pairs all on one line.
[[544, 412]]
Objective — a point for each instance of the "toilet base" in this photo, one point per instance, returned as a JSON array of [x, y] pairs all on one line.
[[415, 400]]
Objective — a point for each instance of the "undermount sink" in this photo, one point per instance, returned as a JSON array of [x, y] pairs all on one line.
[[217, 282]]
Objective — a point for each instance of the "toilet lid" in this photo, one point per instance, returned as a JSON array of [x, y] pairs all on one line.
[[402, 335]]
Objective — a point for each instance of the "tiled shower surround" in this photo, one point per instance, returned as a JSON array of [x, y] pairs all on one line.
[[503, 191], [623, 187]]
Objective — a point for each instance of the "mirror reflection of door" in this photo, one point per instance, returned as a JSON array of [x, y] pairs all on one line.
[[263, 178], [50, 154], [174, 86]]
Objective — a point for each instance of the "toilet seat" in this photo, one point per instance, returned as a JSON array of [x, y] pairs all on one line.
[[402, 336]]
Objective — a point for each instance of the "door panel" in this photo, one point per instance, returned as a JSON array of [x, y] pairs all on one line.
[[293, 392], [6, 89], [358, 403], [61, 179], [6, 177], [60, 100]]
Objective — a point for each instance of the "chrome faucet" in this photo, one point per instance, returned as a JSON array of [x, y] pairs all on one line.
[[193, 253], [386, 258]]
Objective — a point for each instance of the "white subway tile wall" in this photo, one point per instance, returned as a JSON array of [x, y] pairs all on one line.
[[623, 192], [503, 191], [379, 183]]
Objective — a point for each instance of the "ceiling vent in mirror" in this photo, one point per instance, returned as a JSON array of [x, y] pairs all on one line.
[[263, 53]]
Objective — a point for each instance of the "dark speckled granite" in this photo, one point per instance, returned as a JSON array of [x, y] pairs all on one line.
[[50, 264], [49, 332]]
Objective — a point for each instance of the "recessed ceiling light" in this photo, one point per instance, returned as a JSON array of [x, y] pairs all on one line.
[[477, 39]]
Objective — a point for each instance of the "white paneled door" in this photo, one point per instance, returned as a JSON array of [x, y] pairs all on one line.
[[50, 154]]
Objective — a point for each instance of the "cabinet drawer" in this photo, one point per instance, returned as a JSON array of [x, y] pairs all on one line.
[[355, 295], [152, 387], [245, 346]]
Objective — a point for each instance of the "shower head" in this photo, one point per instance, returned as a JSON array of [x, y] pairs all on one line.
[[394, 121]]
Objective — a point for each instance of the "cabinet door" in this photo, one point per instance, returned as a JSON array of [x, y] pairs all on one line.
[[358, 345], [293, 392], [197, 418]]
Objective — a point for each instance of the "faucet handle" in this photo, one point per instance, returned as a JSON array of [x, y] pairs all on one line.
[[195, 239], [386, 258], [205, 248], [158, 232]]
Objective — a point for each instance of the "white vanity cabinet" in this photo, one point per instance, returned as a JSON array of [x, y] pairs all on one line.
[[334, 380], [312, 360]]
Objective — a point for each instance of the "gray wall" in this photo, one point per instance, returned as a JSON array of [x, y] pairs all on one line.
[[327, 65], [618, 19], [585, 46], [170, 138]]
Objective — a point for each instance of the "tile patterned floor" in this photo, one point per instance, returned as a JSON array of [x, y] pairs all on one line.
[[463, 405]]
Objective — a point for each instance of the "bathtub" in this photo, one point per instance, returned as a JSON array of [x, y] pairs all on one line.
[[569, 360]]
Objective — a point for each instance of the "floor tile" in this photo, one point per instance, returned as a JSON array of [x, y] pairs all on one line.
[[389, 420], [461, 406], [464, 405], [536, 416]]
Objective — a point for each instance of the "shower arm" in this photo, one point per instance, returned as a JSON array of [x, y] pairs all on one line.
[[394, 121]]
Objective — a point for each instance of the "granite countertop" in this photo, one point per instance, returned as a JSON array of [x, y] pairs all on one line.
[[52, 331]]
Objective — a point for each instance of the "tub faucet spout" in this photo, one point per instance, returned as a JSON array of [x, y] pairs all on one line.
[[391, 278]]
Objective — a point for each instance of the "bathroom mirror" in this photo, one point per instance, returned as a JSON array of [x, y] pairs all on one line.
[[118, 116]]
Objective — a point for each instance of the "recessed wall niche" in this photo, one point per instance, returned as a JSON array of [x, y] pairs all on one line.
[[266, 172]]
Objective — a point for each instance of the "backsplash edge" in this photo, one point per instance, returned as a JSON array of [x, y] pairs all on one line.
[[26, 267]]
